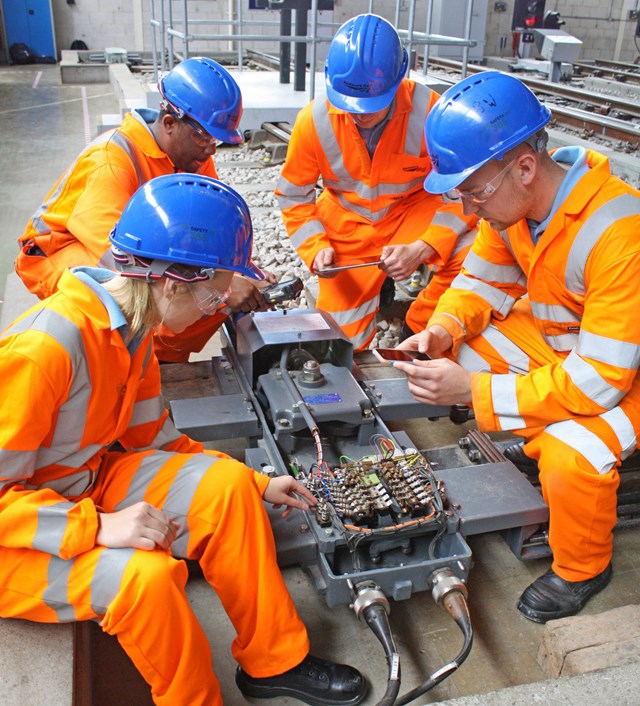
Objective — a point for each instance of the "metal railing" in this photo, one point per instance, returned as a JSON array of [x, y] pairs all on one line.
[[171, 29]]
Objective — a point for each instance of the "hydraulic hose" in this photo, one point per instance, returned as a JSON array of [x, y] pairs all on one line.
[[450, 593], [371, 605]]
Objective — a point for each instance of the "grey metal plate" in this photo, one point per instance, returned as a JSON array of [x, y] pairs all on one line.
[[491, 497], [211, 418], [392, 400]]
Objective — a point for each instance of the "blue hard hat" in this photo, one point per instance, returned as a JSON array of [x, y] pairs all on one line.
[[207, 93], [364, 65], [477, 120], [184, 219]]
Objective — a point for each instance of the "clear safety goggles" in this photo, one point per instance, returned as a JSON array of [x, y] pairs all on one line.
[[199, 135], [207, 298], [490, 187]]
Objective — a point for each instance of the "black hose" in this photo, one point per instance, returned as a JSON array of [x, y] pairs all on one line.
[[376, 618], [456, 605]]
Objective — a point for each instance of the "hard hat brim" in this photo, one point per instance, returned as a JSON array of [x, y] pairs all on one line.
[[436, 183], [229, 137], [353, 104]]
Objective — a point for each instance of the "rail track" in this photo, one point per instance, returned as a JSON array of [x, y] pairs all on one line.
[[595, 114]]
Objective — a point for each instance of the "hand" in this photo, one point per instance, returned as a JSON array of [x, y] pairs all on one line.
[[437, 382], [435, 342], [401, 261], [269, 278], [246, 295], [280, 491], [140, 526], [325, 258]]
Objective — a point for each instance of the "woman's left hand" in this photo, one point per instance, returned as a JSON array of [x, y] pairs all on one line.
[[282, 490]]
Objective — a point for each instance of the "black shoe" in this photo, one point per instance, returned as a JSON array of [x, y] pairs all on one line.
[[550, 597], [314, 681], [515, 453]]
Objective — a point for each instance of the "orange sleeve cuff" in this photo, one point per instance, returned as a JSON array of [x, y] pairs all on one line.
[[481, 401]]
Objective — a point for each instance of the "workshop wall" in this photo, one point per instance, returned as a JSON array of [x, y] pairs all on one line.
[[605, 28]]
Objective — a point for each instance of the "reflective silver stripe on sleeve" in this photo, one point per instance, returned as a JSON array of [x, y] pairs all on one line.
[[465, 240], [306, 231], [294, 194], [590, 232], [609, 350], [517, 359], [481, 268], [17, 465], [415, 124], [597, 453], [505, 402], [592, 385], [472, 361], [621, 424], [167, 434], [52, 524], [496, 298], [145, 411], [451, 221], [55, 595], [72, 414], [73, 484], [107, 577]]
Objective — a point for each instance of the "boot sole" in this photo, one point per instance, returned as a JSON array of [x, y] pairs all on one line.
[[541, 616]]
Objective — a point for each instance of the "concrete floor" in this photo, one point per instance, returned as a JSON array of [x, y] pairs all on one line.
[[43, 125]]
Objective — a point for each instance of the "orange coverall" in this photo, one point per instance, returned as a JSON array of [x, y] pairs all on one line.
[[366, 204], [559, 367], [71, 227], [70, 389]]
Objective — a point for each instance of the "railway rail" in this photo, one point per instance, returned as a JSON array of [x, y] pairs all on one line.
[[605, 115], [603, 68]]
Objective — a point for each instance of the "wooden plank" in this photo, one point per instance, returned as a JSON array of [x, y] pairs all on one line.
[[103, 674], [583, 643]]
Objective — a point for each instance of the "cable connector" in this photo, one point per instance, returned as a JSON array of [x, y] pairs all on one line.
[[365, 594]]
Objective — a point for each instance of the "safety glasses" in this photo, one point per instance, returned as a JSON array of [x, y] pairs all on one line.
[[207, 298], [490, 187], [198, 134]]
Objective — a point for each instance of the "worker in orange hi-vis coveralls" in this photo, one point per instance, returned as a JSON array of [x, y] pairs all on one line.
[[90, 533], [365, 140], [542, 318], [201, 106]]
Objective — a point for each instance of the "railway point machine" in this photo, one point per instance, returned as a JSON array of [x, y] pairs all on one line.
[[391, 519]]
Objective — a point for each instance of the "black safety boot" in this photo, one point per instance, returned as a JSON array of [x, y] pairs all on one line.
[[549, 597], [515, 453], [314, 681]]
